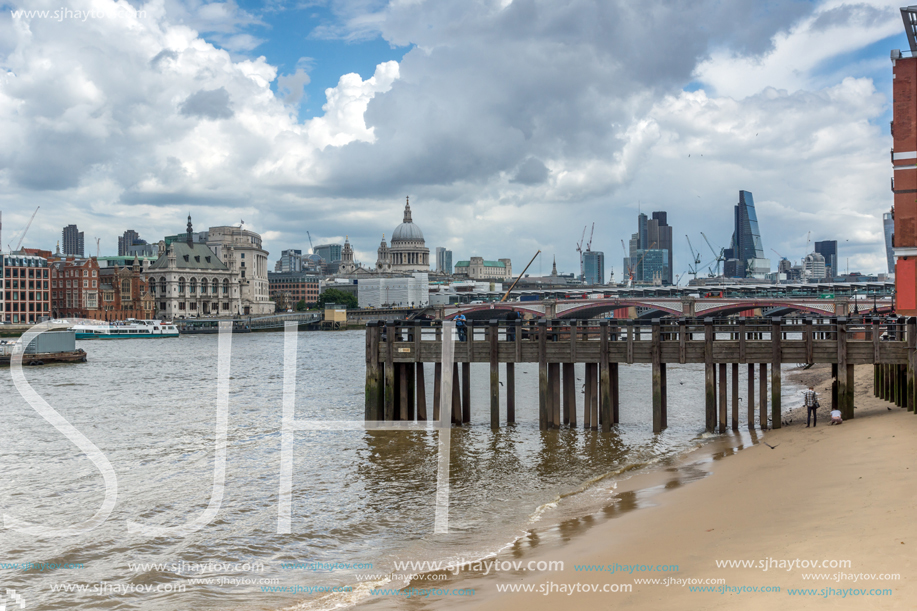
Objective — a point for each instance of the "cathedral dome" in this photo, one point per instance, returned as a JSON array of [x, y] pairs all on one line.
[[407, 230]]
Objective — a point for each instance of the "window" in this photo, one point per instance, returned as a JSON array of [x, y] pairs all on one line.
[[95, 273], [94, 283], [85, 284], [85, 273]]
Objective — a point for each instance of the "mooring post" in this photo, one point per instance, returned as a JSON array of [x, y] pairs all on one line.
[[494, 375], [588, 391], [408, 369], [709, 376], [762, 395], [403, 391], [570, 380], [510, 393], [776, 373], [605, 378], [656, 356], [421, 393], [735, 396], [389, 372], [751, 396], [842, 381], [724, 379], [466, 392], [543, 402]]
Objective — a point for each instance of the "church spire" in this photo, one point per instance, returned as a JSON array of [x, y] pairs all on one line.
[[407, 210], [554, 269], [190, 231]]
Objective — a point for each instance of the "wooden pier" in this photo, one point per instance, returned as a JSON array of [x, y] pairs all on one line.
[[396, 354]]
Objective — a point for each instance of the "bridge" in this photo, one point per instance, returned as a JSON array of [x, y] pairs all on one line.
[[661, 307], [277, 321]]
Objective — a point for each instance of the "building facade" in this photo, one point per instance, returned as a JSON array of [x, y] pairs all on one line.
[[746, 243], [72, 240], [240, 250], [443, 260], [828, 249], [408, 251], [594, 267], [300, 286], [75, 288], [903, 215], [290, 261], [329, 252], [190, 281], [408, 291], [125, 293], [26, 288], [478, 269]]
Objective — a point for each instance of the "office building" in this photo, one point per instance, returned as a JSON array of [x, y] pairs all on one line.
[[594, 267], [478, 269], [291, 287], [331, 253], [746, 240], [653, 240], [130, 244], [814, 267], [26, 294], [443, 260], [72, 241], [828, 249], [659, 232], [290, 261]]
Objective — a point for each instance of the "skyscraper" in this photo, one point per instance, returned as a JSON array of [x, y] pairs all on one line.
[[828, 249], [443, 260], [290, 260], [888, 225], [129, 239], [594, 267], [650, 254], [659, 233], [329, 252], [72, 239], [746, 239]]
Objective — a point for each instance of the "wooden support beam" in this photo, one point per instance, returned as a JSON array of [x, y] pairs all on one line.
[[466, 390], [735, 396], [554, 376], [911, 349], [665, 396], [437, 382], [616, 395], [421, 393], [569, 394], [742, 354], [588, 391], [850, 390], [409, 375], [656, 355], [456, 395], [510, 393], [723, 393], [762, 396], [373, 409], [605, 377], [494, 332], [777, 359], [389, 390], [631, 329], [807, 336], [751, 397], [543, 401], [682, 341], [402, 391], [842, 381], [709, 376]]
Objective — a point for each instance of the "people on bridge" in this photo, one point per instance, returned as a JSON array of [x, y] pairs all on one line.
[[811, 401], [461, 327]]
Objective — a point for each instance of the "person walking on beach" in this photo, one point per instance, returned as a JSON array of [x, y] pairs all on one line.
[[811, 400]]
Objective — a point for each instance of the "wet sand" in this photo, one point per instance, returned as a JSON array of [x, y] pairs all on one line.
[[829, 493]]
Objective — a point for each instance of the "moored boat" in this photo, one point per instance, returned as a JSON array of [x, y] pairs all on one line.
[[129, 329]]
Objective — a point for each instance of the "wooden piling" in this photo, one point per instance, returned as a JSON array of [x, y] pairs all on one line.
[[409, 376], [762, 395], [605, 378], [616, 395], [421, 393], [437, 382], [751, 396], [588, 391], [543, 402], [494, 332], [709, 377], [569, 394], [456, 395], [373, 408], [510, 393], [911, 350], [466, 391], [402, 391], [735, 396], [777, 357], [723, 408], [656, 355], [842, 381], [389, 390], [554, 376]]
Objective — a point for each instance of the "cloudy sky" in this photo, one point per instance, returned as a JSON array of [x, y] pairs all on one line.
[[511, 124]]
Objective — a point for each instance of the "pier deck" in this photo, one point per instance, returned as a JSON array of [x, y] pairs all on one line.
[[396, 354]]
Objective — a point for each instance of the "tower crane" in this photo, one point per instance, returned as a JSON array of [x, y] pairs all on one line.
[[695, 256], [579, 250], [719, 256], [589, 243], [310, 242], [24, 231], [97, 247]]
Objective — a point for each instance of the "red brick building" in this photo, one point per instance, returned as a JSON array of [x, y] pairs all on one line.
[[294, 287], [904, 162], [26, 298], [125, 294], [75, 288]]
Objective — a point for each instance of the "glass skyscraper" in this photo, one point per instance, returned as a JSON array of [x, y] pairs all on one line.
[[746, 239], [594, 267]]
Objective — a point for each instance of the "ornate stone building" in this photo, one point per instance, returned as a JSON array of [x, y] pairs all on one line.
[[408, 252], [125, 294], [347, 265], [240, 250], [190, 281]]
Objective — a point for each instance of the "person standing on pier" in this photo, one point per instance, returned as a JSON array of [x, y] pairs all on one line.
[[461, 328], [811, 400]]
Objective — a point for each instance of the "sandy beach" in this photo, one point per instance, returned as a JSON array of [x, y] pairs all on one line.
[[839, 495]]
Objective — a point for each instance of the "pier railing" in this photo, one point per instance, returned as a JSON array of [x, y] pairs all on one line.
[[396, 352]]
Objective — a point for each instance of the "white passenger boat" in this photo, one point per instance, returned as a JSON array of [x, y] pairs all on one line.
[[128, 329]]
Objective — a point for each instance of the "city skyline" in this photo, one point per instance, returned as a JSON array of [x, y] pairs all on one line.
[[747, 101]]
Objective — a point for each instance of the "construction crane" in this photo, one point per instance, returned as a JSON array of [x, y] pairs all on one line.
[[579, 250], [519, 277], [695, 256], [24, 231], [310, 243], [589, 243], [719, 256], [97, 247]]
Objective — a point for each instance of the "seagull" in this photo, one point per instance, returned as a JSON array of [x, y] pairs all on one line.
[[501, 383], [769, 445]]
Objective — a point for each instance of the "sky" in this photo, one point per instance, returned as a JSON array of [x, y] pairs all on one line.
[[511, 124]]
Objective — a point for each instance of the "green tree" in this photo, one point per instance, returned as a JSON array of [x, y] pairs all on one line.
[[336, 296], [301, 305]]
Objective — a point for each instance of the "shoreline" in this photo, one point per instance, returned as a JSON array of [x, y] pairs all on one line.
[[838, 493]]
